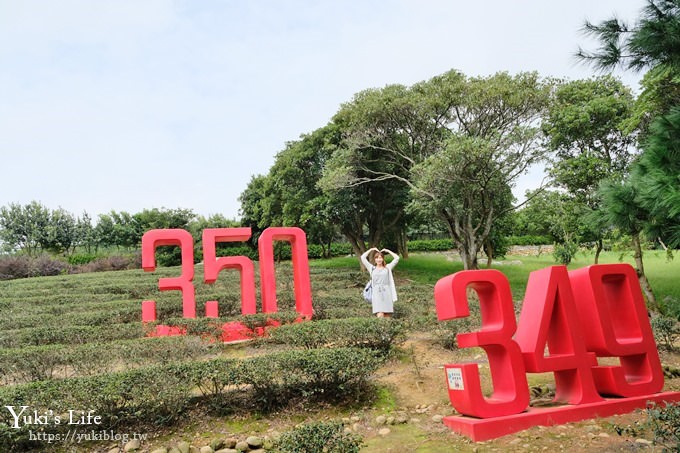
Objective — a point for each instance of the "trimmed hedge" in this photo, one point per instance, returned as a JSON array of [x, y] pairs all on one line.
[[430, 245], [373, 333], [529, 240], [160, 395], [37, 363], [36, 336], [211, 328]]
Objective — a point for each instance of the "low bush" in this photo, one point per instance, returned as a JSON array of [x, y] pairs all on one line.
[[108, 263], [313, 375], [666, 331], [320, 437], [565, 252], [78, 259], [23, 266], [373, 333], [211, 328], [665, 425]]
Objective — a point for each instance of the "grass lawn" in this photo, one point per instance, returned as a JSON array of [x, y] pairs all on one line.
[[428, 268]]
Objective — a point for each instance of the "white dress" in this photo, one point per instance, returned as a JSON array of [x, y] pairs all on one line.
[[384, 290]]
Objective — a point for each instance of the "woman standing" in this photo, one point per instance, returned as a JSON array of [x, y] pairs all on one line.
[[384, 290]]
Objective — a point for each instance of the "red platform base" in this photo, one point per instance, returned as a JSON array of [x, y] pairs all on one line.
[[480, 429]]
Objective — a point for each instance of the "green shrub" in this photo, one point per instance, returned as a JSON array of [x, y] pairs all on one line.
[[529, 240], [666, 331], [211, 328], [314, 374], [320, 437], [430, 245], [565, 252], [82, 258], [36, 336], [665, 425], [445, 332], [34, 363], [373, 333], [161, 394], [341, 249]]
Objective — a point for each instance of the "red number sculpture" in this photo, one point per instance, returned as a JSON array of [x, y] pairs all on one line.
[[213, 265], [510, 394], [183, 283], [615, 319], [597, 311], [549, 318], [303, 287], [233, 331]]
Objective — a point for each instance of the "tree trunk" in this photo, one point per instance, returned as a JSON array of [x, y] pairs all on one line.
[[402, 244], [644, 283], [468, 253], [598, 249], [358, 246], [488, 249]]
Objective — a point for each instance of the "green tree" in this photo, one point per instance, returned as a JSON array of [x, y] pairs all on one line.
[[583, 128], [118, 229], [657, 175], [61, 234], [163, 218], [463, 185], [294, 180], [24, 228], [254, 212], [622, 208], [491, 138], [396, 130], [383, 133], [85, 233], [104, 232], [200, 223], [650, 43], [557, 215]]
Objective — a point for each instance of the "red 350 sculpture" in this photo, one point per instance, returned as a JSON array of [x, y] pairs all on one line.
[[213, 265], [568, 321]]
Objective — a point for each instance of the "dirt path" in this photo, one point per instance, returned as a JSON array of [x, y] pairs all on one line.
[[417, 383]]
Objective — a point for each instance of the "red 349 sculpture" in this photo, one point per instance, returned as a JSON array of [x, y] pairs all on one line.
[[568, 321]]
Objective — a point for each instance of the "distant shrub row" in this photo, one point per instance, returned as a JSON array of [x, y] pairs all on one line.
[[160, 395], [430, 245], [24, 266], [530, 240]]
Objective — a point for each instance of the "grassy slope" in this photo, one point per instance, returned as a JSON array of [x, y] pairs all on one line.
[[115, 297]]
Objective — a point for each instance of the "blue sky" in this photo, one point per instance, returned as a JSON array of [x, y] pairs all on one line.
[[132, 104]]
